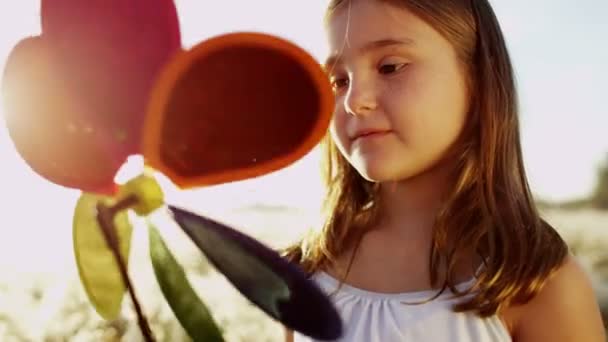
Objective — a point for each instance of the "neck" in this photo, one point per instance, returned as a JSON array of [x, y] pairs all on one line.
[[411, 205]]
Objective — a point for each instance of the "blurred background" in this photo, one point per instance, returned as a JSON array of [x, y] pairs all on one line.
[[559, 49]]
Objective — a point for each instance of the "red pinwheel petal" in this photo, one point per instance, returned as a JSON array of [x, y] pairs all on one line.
[[76, 96], [112, 52], [47, 124]]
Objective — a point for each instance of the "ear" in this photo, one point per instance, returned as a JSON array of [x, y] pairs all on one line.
[[234, 107]]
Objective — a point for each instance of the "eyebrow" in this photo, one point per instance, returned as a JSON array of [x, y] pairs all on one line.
[[374, 45]]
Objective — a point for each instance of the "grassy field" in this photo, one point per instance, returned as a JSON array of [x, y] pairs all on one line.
[[43, 306]]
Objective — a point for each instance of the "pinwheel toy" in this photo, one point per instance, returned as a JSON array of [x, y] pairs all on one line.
[[109, 79]]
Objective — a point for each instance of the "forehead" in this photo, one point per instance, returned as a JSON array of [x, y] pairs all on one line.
[[357, 23]]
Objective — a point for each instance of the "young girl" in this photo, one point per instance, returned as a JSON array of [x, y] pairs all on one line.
[[432, 233]]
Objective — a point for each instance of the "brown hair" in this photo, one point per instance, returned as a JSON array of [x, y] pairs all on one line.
[[490, 206]]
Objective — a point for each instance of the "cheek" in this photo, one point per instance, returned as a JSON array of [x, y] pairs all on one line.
[[428, 108], [449, 109], [337, 131]]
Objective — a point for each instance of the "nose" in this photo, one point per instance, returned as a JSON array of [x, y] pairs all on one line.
[[360, 98]]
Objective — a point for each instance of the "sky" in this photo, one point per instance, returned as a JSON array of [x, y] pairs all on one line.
[[559, 49]]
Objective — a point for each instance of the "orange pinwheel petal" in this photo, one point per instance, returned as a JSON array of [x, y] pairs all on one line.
[[234, 107]]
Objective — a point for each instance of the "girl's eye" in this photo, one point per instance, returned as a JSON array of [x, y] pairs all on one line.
[[391, 68], [338, 83]]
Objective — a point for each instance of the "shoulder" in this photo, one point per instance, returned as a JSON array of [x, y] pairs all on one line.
[[565, 309]]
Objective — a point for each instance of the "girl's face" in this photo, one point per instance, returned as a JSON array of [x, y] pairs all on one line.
[[401, 95]]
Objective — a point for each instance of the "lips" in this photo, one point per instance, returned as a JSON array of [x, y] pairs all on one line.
[[369, 133]]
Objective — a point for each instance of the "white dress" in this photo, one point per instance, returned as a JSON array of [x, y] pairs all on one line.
[[381, 317]]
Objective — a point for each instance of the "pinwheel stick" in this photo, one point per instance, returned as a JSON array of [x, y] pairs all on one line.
[[105, 217]]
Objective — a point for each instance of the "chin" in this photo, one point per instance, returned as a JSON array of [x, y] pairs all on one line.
[[373, 168], [386, 171], [377, 173]]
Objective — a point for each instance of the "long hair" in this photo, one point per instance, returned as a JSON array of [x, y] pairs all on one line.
[[490, 207]]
